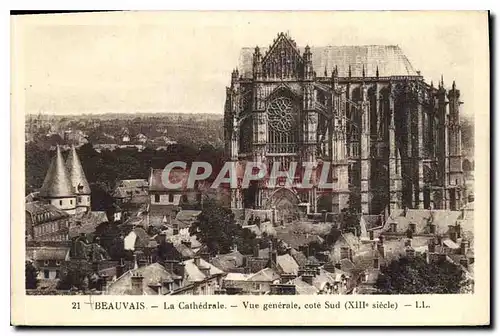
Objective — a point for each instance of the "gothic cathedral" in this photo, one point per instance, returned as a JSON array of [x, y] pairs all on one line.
[[391, 139]]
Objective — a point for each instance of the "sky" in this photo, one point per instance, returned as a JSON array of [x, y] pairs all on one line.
[[181, 62]]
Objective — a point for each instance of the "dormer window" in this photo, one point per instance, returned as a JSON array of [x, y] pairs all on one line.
[[413, 227], [432, 228], [394, 227]]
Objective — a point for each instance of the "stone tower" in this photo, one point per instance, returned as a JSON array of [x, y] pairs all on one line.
[[79, 183], [56, 188]]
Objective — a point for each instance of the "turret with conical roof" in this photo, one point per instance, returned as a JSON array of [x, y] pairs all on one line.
[[79, 184], [56, 188]]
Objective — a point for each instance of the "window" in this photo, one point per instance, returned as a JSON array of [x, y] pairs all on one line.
[[46, 274], [57, 274], [413, 227], [71, 202], [375, 263], [58, 263], [170, 198], [80, 199], [46, 263], [157, 198], [344, 253], [60, 202]]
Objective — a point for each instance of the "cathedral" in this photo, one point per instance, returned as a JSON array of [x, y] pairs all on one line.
[[392, 140]]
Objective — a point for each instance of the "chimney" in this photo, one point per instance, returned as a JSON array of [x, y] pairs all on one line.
[[235, 247], [372, 234], [381, 249], [120, 268], [408, 242], [256, 251], [381, 239], [338, 266], [458, 230], [142, 262], [464, 244], [196, 260], [464, 262], [308, 278], [169, 265], [104, 282], [432, 246], [136, 282], [179, 269], [175, 228], [285, 277], [376, 264], [289, 251]]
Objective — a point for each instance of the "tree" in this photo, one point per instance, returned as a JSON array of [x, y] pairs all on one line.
[[75, 274], [31, 273], [216, 228], [416, 276]]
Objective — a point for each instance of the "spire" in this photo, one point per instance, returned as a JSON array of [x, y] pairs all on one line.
[[377, 71], [77, 177], [350, 74], [441, 84], [363, 73], [56, 183], [326, 73], [453, 86]]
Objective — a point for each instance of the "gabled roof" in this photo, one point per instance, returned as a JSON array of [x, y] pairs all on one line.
[[57, 183], [265, 275], [287, 264], [193, 272], [76, 174], [153, 274], [390, 60]]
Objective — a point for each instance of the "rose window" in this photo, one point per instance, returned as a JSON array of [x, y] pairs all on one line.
[[280, 114]]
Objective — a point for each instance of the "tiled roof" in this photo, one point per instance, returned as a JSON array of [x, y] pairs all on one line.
[[390, 60], [57, 183], [266, 274], [76, 174], [303, 287], [38, 208], [229, 261], [287, 264], [193, 272], [237, 277], [299, 257], [153, 274], [134, 183], [176, 175], [47, 253]]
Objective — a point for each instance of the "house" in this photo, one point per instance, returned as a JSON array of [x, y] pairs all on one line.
[[177, 194], [48, 258], [258, 283], [45, 222], [152, 279], [134, 191]]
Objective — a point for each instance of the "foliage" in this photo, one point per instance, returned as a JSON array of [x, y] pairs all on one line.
[[416, 276], [110, 238], [31, 273], [75, 274], [216, 228]]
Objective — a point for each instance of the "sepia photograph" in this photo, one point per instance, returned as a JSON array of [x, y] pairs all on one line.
[[251, 153]]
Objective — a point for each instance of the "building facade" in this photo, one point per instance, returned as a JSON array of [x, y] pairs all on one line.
[[391, 140]]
